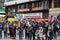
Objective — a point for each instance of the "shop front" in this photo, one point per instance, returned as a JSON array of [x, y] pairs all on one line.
[[30, 15], [54, 12]]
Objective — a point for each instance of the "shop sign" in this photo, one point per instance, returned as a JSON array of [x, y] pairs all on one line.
[[54, 11], [31, 16], [44, 19]]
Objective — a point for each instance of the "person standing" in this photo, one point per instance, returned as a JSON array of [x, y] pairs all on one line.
[[41, 33], [35, 26], [13, 30], [5, 31], [50, 32], [22, 30], [29, 31], [0, 31], [46, 29]]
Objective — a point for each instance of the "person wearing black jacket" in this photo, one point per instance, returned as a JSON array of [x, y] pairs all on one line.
[[20, 29], [35, 26], [0, 31], [13, 30]]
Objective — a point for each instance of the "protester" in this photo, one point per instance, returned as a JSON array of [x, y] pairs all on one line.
[[0, 31], [49, 32], [32, 30], [13, 30], [5, 31], [41, 33], [22, 30]]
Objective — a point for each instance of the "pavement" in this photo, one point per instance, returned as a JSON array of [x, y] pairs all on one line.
[[17, 38]]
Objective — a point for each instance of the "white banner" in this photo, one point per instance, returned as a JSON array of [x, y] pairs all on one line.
[[30, 15]]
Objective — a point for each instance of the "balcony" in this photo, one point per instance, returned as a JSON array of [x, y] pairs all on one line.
[[37, 8], [23, 10]]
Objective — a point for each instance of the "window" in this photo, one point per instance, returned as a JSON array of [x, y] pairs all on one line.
[[56, 3], [45, 4], [56, 0], [40, 4], [32, 4], [19, 7], [1, 4], [22, 6], [27, 5], [9, 0], [35, 4]]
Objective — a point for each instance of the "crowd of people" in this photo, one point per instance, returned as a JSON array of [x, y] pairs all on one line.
[[31, 29]]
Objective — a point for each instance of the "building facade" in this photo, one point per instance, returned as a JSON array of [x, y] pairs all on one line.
[[32, 8], [55, 8], [2, 10]]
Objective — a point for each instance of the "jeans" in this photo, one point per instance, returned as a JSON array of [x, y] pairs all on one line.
[[23, 34], [0, 34], [30, 36], [41, 38], [34, 36], [49, 38], [20, 35]]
